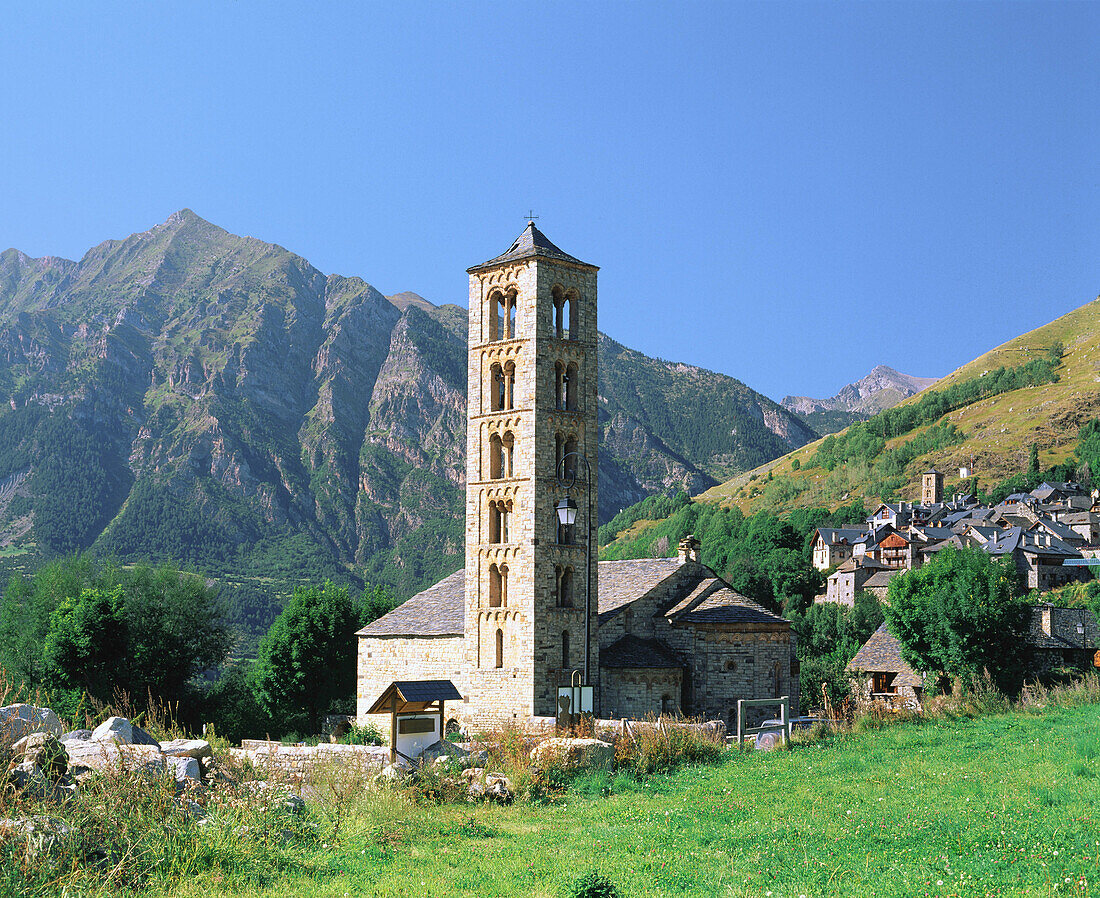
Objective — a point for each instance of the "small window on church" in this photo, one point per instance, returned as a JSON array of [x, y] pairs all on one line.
[[571, 388], [508, 393], [498, 389], [500, 648], [496, 587], [565, 587], [565, 650], [569, 456], [496, 457], [507, 445], [498, 522], [510, 334], [496, 316]]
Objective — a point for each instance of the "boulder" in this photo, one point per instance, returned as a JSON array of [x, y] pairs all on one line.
[[44, 835], [187, 748], [87, 758], [768, 741], [43, 752], [77, 736], [574, 753], [17, 721], [444, 751], [184, 769], [119, 729]]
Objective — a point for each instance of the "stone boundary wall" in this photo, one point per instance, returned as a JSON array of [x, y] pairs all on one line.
[[297, 759]]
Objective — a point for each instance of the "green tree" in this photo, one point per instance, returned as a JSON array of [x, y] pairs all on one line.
[[307, 659], [86, 647], [1033, 459], [961, 613]]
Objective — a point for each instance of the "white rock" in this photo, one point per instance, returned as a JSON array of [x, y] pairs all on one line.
[[574, 754], [119, 729], [109, 756], [17, 721], [184, 769], [187, 748]]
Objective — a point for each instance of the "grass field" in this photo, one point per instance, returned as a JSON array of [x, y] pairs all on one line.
[[1003, 805]]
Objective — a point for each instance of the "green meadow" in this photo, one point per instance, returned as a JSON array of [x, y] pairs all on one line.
[[999, 805]]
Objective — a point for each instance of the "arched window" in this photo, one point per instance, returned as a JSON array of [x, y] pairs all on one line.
[[500, 648], [498, 390], [569, 454], [560, 385], [564, 310], [498, 521], [667, 707], [564, 577], [559, 451], [496, 587], [507, 445], [565, 650], [496, 457], [508, 394], [496, 316], [510, 323], [775, 680], [570, 392]]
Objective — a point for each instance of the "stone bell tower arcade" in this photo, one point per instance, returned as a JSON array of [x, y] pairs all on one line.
[[531, 425]]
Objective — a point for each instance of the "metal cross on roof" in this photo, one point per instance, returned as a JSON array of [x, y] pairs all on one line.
[[531, 216]]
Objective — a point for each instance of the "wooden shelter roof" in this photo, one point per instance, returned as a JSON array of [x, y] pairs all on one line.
[[414, 695]]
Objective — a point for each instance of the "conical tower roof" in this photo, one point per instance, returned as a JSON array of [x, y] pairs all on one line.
[[531, 243]]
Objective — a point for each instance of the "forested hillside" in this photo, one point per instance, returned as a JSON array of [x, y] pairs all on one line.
[[186, 393]]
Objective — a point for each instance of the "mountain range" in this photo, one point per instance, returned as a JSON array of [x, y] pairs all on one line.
[[187, 393], [883, 388]]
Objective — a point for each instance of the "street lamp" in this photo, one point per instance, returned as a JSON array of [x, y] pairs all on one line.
[[567, 516]]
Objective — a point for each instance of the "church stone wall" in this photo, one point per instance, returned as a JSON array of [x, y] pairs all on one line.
[[638, 693], [383, 660]]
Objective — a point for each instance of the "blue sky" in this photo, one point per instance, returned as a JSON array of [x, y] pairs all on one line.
[[788, 193]]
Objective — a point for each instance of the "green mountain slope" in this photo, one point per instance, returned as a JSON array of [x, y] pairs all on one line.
[[192, 394], [991, 435]]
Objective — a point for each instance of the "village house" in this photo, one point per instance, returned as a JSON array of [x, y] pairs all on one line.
[[526, 614], [1056, 638]]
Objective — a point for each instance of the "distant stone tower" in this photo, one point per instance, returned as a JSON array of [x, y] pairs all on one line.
[[931, 487], [532, 401]]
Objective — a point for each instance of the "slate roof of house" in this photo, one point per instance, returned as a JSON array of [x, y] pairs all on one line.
[[882, 654], [1063, 531], [830, 535], [621, 582], [880, 578], [633, 651], [1014, 538], [532, 242]]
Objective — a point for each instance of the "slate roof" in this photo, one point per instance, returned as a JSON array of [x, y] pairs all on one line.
[[531, 243], [1014, 538], [699, 598], [633, 651], [831, 535], [725, 606], [880, 578], [440, 609], [621, 582], [882, 654], [414, 695], [437, 611]]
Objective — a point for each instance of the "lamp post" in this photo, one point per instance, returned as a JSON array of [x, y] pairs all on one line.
[[567, 516]]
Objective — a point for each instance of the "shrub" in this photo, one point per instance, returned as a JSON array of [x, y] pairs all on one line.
[[662, 746], [592, 885]]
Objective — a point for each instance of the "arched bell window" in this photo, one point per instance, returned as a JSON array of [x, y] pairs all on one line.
[[500, 648]]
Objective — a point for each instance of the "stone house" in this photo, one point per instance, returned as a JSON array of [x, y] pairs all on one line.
[[1038, 557], [842, 585], [527, 614], [833, 545], [1062, 638], [880, 675]]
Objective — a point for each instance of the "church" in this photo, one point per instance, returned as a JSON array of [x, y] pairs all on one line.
[[655, 635]]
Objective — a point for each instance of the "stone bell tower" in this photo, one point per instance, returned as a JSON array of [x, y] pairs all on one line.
[[531, 415], [931, 487]]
